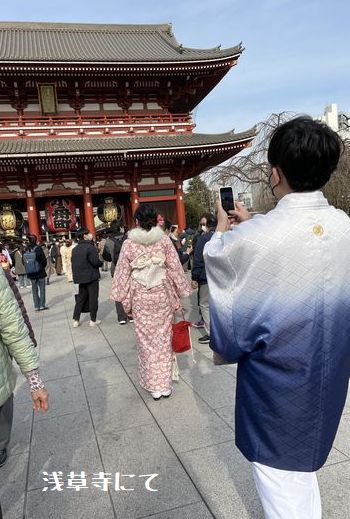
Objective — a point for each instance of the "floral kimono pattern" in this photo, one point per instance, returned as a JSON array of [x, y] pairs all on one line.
[[149, 281]]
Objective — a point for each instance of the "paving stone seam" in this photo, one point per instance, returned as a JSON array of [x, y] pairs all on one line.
[[169, 510], [39, 346], [341, 452], [208, 446], [28, 466], [90, 414], [336, 463], [160, 429], [211, 408]]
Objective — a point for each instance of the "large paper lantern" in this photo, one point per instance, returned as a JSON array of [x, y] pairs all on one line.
[[11, 220], [109, 211], [60, 215]]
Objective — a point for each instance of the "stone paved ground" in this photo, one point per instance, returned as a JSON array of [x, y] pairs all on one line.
[[100, 420]]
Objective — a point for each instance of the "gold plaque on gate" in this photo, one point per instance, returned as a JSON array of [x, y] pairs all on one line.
[[48, 98]]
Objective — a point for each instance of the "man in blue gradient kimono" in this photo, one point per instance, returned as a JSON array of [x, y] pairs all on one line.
[[280, 307]]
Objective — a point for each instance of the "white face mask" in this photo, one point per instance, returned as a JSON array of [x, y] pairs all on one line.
[[204, 228]]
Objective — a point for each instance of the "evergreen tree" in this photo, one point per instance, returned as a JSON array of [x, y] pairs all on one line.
[[198, 192], [197, 201]]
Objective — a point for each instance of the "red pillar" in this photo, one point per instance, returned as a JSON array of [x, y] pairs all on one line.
[[33, 219], [87, 202], [180, 207], [88, 211]]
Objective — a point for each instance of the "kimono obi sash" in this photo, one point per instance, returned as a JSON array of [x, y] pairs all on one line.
[[149, 270]]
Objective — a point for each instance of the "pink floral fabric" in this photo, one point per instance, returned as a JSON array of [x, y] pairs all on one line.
[[152, 309]]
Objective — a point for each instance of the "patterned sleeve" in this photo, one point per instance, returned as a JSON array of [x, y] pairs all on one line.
[[121, 285], [34, 380]]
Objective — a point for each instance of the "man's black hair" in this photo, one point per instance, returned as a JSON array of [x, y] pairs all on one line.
[[81, 232], [306, 151], [146, 215], [115, 227], [32, 239]]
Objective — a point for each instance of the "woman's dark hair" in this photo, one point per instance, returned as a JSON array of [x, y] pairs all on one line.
[[146, 215], [167, 225], [306, 151], [211, 221]]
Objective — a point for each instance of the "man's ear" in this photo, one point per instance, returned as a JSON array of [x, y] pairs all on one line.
[[276, 176]]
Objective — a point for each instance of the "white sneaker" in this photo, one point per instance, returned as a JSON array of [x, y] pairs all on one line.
[[76, 324], [167, 393], [156, 395], [95, 323], [122, 321]]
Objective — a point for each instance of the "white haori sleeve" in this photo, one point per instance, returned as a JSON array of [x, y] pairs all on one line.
[[222, 282]]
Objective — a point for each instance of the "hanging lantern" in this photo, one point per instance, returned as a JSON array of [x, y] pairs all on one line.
[[109, 211], [60, 216], [11, 220]]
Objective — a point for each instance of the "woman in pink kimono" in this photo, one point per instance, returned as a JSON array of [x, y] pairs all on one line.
[[149, 282]]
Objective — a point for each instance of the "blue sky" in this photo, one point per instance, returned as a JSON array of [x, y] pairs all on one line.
[[296, 57]]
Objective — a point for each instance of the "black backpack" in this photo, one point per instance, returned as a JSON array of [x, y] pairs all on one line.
[[106, 255], [30, 262]]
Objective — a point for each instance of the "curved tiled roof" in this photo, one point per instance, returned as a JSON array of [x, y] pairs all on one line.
[[54, 147], [56, 42]]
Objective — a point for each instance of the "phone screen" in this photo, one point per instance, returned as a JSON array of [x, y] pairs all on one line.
[[226, 196]]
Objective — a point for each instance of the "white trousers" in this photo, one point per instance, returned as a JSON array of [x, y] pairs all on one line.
[[286, 494]]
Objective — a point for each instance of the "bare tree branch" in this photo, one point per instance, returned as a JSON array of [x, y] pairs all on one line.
[[250, 170]]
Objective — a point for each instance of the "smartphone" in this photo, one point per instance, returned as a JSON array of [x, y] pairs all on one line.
[[226, 197]]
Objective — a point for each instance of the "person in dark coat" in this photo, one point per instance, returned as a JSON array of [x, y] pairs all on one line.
[[113, 246], [38, 279], [86, 273], [199, 276]]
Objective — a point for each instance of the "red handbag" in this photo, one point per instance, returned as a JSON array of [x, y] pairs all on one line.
[[181, 341]]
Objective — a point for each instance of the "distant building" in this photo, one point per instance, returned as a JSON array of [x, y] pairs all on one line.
[[338, 121]]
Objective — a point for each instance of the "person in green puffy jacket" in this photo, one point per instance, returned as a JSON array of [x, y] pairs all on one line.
[[16, 344]]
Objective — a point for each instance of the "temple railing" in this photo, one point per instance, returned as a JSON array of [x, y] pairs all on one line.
[[61, 125]]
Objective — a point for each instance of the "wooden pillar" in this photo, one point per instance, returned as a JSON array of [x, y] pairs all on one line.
[[134, 197], [128, 221], [32, 212], [180, 206], [33, 217], [88, 206]]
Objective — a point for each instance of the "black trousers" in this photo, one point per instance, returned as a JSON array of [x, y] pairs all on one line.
[[88, 294], [6, 417]]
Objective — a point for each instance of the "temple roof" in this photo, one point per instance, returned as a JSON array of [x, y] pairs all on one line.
[[21, 148], [85, 43]]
